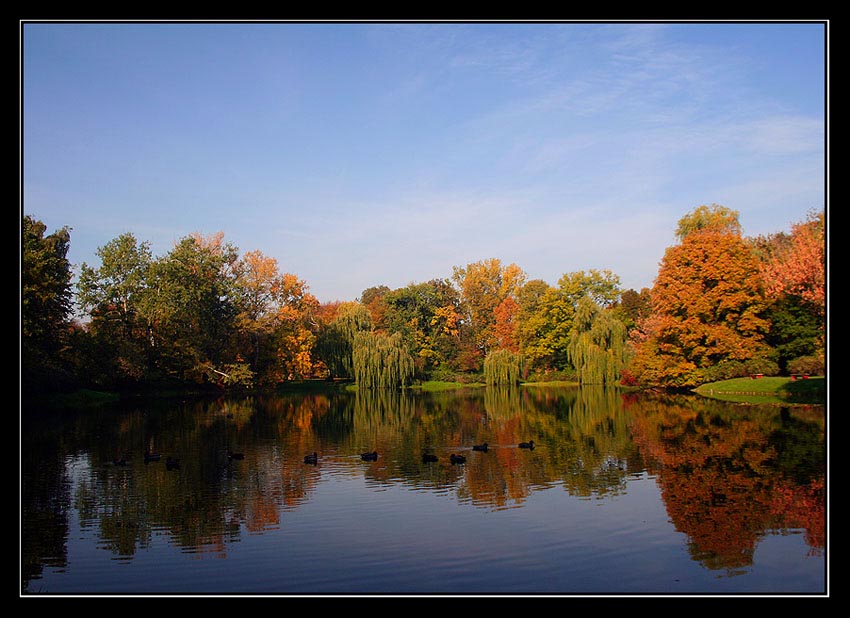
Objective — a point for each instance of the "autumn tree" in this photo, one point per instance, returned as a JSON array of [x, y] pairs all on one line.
[[274, 319], [483, 286], [793, 267], [46, 302], [634, 307], [545, 319], [708, 307], [373, 299], [506, 326]]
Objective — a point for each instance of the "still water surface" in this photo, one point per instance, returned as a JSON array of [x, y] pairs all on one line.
[[622, 494]]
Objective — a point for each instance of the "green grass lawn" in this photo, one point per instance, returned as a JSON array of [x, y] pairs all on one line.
[[767, 390], [438, 385]]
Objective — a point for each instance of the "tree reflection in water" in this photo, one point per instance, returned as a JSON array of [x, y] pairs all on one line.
[[728, 474]]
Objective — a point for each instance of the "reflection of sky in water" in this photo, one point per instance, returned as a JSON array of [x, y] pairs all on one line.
[[579, 514], [350, 537]]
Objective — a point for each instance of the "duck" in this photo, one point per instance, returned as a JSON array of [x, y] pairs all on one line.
[[119, 461], [528, 445], [232, 455], [457, 459], [480, 447], [373, 456], [149, 457], [311, 459], [429, 458], [172, 464]]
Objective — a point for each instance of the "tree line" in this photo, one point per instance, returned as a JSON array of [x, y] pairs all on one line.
[[722, 305]]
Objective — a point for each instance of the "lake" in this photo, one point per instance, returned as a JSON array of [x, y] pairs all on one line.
[[622, 494]]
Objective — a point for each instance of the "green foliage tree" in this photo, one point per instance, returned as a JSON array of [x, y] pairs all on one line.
[[502, 368], [546, 314], [601, 286], [335, 342], [46, 302], [371, 294], [545, 320], [114, 288], [597, 347], [111, 295], [190, 308], [795, 331], [714, 217], [380, 360], [427, 315]]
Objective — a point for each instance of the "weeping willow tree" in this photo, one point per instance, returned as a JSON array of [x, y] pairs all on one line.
[[597, 346], [502, 367], [335, 343], [380, 360]]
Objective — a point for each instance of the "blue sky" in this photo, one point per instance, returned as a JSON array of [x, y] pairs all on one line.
[[364, 154]]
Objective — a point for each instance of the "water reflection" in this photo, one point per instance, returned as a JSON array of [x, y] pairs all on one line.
[[728, 474]]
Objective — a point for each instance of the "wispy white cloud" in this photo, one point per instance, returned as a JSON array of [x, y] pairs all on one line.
[[386, 153], [785, 135]]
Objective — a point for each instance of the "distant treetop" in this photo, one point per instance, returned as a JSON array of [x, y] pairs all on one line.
[[714, 217]]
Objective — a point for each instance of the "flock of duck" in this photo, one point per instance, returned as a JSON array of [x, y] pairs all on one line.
[[313, 458], [171, 463]]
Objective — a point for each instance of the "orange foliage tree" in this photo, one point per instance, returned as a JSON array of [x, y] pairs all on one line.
[[707, 321], [273, 321], [483, 286]]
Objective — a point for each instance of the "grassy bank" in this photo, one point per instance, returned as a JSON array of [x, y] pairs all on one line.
[[767, 390], [82, 398], [445, 386]]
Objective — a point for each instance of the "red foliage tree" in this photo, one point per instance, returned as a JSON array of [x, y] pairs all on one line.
[[798, 267], [506, 324]]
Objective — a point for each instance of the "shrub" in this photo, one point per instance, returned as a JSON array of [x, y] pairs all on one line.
[[811, 365], [728, 369]]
